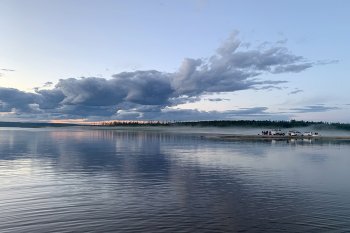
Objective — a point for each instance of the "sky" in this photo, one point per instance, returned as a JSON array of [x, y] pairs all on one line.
[[95, 60]]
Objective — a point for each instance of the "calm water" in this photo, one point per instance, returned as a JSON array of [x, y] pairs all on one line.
[[82, 180]]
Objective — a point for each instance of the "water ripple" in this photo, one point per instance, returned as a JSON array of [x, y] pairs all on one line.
[[111, 181]]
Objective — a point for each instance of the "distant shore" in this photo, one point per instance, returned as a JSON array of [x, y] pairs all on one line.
[[246, 124], [275, 137], [263, 124]]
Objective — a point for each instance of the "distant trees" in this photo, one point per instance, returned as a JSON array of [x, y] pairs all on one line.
[[233, 123], [34, 124], [135, 123], [224, 123]]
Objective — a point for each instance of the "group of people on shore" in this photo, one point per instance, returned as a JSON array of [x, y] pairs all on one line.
[[290, 133], [277, 132], [266, 132]]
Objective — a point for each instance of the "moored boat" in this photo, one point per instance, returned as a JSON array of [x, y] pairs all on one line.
[[294, 133], [310, 134]]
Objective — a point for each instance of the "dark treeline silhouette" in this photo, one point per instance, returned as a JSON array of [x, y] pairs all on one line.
[[34, 124], [234, 123], [136, 123], [217, 123]]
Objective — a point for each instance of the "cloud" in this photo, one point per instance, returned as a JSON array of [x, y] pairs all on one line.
[[48, 84], [2, 70], [313, 108], [89, 92], [13, 99], [326, 62], [145, 87], [234, 68], [49, 99], [216, 99], [151, 94], [296, 91], [195, 115], [296, 68], [7, 70]]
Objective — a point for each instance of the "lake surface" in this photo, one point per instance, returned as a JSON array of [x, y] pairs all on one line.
[[86, 180]]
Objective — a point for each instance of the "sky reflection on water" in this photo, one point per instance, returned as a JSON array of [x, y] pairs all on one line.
[[69, 180]]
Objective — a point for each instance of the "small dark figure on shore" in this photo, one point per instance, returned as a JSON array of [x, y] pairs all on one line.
[[265, 132]]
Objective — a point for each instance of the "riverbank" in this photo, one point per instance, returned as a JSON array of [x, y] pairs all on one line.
[[276, 137]]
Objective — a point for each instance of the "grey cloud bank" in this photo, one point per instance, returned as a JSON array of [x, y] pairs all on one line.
[[313, 108], [150, 94], [193, 114]]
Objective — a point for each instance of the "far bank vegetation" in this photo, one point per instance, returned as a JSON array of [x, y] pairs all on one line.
[[232, 123]]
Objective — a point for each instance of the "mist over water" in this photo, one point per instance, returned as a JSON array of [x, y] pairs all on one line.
[[323, 131], [141, 180]]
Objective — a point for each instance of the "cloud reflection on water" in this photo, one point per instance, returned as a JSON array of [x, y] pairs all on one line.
[[159, 180]]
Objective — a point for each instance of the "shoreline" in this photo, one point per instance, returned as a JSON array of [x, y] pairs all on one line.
[[274, 137]]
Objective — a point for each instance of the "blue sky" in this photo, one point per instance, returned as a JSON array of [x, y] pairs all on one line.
[[66, 60]]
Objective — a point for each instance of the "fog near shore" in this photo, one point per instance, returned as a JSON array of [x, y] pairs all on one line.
[[229, 130]]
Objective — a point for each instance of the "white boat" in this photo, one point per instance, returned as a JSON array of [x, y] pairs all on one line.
[[307, 134], [310, 134], [277, 132], [294, 133]]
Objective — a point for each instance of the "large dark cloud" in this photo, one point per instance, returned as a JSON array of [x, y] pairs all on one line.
[[151, 94], [145, 87], [233, 68], [90, 92], [13, 99]]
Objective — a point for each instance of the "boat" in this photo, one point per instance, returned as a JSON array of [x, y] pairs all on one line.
[[277, 132], [310, 134], [294, 133]]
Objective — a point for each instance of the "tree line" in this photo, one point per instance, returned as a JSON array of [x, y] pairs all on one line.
[[233, 123]]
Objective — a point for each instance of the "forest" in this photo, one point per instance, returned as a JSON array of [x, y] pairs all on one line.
[[234, 123]]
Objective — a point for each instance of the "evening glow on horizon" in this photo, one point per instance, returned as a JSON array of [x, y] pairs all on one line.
[[90, 60]]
